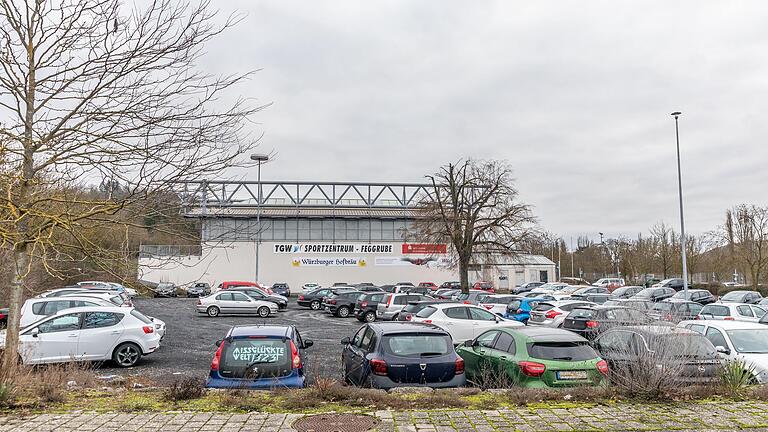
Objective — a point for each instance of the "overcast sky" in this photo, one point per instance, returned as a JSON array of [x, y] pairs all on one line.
[[576, 95]]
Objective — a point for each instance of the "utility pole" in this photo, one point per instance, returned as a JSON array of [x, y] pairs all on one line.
[[676, 114]]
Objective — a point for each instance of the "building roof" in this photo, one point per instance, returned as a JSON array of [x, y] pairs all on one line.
[[292, 212], [523, 259]]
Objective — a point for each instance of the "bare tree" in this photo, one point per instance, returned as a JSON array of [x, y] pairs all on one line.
[[93, 90], [746, 234], [663, 241], [473, 206]]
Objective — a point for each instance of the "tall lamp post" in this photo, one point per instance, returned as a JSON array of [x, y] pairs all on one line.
[[259, 158], [677, 114]]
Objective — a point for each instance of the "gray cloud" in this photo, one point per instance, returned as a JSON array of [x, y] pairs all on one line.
[[576, 95]]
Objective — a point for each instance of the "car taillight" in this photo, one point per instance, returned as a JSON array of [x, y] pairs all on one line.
[[427, 321], [217, 358], [364, 304], [592, 324], [488, 307], [331, 301], [459, 366], [148, 329], [532, 369], [602, 366], [295, 359], [301, 297], [551, 314], [467, 302], [728, 319], [697, 317], [408, 317], [519, 311], [378, 367]]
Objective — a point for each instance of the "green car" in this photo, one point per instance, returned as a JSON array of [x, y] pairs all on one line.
[[534, 357]]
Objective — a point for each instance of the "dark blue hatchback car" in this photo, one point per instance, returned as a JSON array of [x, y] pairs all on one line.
[[259, 357], [395, 354]]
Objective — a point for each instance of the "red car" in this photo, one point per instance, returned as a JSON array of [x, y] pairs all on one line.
[[483, 285], [431, 285], [240, 284]]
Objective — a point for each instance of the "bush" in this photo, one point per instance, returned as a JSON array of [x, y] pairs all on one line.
[[735, 376], [184, 389]]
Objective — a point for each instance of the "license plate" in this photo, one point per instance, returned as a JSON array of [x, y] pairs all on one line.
[[572, 375]]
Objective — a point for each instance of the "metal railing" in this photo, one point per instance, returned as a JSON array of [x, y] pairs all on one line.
[[165, 251]]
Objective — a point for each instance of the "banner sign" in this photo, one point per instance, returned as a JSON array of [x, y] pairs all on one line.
[[334, 248], [328, 262], [424, 248], [429, 262]]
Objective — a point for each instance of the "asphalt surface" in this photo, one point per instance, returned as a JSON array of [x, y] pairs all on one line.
[[189, 342]]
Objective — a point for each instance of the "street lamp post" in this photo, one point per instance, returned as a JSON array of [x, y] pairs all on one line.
[[259, 158], [602, 245], [677, 114]]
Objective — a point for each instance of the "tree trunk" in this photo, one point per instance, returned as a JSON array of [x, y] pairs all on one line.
[[21, 264], [464, 274]]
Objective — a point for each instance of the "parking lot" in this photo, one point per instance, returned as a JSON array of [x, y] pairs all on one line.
[[189, 343]]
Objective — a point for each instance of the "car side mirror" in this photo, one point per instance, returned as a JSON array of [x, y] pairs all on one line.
[[722, 350], [469, 343], [34, 332], [308, 343], [218, 343], [346, 341]]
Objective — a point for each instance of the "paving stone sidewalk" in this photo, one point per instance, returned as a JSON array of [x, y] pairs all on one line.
[[620, 417]]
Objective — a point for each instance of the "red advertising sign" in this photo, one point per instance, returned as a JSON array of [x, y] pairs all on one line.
[[424, 248]]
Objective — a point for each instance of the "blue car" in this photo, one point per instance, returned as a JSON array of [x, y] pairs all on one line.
[[520, 309], [396, 354], [259, 357]]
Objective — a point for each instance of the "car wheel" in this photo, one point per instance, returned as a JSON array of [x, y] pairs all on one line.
[[370, 316], [263, 311], [342, 312], [213, 311], [315, 305], [395, 316], [126, 355]]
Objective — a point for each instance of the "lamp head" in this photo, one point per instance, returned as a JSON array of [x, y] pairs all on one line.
[[676, 114], [259, 157]]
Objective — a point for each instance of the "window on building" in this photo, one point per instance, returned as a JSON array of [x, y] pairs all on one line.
[[351, 228]]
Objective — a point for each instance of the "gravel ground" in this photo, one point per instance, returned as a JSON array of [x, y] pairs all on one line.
[[189, 342]]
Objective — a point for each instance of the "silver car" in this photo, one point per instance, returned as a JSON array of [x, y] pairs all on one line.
[[553, 313], [391, 305], [234, 303]]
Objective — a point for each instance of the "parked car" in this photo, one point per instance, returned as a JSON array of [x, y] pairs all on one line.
[[675, 310], [263, 295], [387, 355], [534, 358], [625, 292], [199, 289], [582, 293], [340, 284], [341, 304], [553, 313], [574, 281], [259, 357], [651, 281], [165, 289], [751, 297], [541, 296], [526, 287], [413, 308], [405, 283], [455, 285], [641, 305], [549, 287], [446, 295], [281, 288], [369, 288], [392, 304], [4, 317], [431, 285], [731, 284], [35, 309], [387, 288], [610, 283], [472, 297], [497, 303], [233, 302], [314, 299], [737, 340], [238, 284], [732, 312], [126, 300], [520, 309], [484, 285], [654, 294], [418, 290], [686, 356], [309, 287], [92, 333], [590, 321], [700, 296], [675, 283], [112, 297], [365, 308], [463, 322]]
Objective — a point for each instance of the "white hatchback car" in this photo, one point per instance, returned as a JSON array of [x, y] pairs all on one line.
[[737, 340], [732, 312], [463, 322], [93, 333], [35, 309]]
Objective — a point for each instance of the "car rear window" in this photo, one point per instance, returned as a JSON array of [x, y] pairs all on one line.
[[426, 312], [514, 305], [141, 317], [543, 307], [690, 345], [411, 308], [498, 301], [256, 358], [417, 345], [734, 295], [581, 313], [716, 310], [570, 351], [463, 296]]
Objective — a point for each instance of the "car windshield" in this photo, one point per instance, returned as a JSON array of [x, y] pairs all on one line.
[[688, 345], [568, 351], [581, 290], [715, 310], [682, 295], [255, 358], [734, 295], [463, 296], [620, 291], [663, 307], [498, 300], [749, 341], [485, 285], [417, 345], [648, 292]]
